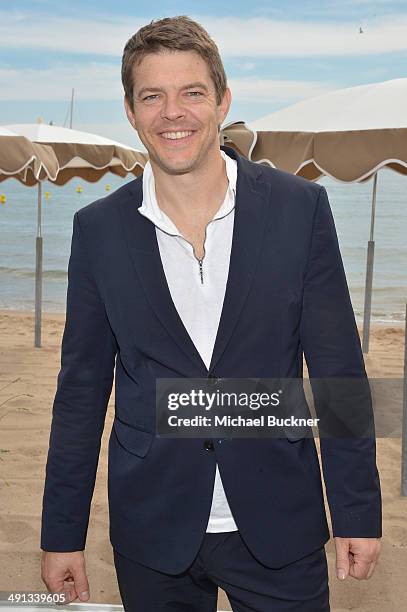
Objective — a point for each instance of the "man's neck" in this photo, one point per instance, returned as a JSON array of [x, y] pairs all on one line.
[[195, 197]]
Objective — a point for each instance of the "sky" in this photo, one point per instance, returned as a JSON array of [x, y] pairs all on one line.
[[275, 53]]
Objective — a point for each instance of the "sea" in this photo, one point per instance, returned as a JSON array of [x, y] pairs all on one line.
[[350, 202]]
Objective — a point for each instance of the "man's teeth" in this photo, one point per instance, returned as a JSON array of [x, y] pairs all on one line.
[[175, 135]]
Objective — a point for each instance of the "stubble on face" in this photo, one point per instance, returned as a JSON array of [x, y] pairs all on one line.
[[168, 105]]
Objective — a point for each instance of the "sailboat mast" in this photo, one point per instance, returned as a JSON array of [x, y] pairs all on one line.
[[71, 111]]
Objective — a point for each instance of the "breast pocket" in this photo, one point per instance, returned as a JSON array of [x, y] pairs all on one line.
[[134, 440]]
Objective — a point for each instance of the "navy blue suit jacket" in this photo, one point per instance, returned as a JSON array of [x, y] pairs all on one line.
[[286, 295]]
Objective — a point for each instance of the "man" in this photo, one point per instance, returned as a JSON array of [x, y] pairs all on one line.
[[208, 266]]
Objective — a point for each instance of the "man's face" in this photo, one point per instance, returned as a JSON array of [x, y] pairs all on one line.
[[173, 94]]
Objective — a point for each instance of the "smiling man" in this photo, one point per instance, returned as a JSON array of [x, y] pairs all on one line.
[[183, 145], [208, 266]]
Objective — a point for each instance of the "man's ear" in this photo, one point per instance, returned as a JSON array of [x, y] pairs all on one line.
[[129, 112], [224, 106]]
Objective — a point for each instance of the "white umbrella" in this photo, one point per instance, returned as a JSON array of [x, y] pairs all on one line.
[[364, 107], [348, 134], [19, 157], [82, 154], [79, 154]]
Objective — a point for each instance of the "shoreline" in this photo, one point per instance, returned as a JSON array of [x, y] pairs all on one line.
[[60, 314]]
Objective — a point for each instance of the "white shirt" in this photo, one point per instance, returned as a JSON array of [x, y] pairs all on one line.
[[199, 304]]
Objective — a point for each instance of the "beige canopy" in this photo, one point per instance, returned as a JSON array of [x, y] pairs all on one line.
[[347, 134], [81, 154], [76, 154], [25, 160]]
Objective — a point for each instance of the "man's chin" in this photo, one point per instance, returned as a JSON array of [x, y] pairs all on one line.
[[175, 166]]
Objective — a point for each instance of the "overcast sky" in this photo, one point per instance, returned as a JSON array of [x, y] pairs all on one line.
[[275, 53]]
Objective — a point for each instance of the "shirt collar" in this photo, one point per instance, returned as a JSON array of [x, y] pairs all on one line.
[[150, 208]]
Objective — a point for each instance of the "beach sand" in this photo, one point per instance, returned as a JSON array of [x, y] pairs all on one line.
[[27, 387]]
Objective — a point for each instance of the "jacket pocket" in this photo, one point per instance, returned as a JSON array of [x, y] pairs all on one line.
[[136, 441]]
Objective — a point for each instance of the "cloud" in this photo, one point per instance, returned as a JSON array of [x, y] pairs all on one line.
[[247, 66], [236, 37], [101, 36], [255, 89], [92, 81], [269, 38], [100, 81]]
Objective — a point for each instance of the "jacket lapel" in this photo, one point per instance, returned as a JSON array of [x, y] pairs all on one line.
[[252, 196], [142, 243], [249, 222]]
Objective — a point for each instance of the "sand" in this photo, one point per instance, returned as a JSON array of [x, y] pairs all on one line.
[[27, 387]]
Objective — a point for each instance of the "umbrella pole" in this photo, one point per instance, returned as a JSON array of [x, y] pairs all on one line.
[[369, 274], [38, 274], [404, 433]]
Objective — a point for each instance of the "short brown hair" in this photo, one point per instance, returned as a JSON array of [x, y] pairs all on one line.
[[177, 34]]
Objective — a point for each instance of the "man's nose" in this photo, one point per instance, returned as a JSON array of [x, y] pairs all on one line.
[[172, 108]]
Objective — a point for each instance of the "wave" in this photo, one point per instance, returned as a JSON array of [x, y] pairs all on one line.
[[30, 273]]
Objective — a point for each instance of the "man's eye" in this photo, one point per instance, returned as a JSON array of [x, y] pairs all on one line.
[[194, 94]]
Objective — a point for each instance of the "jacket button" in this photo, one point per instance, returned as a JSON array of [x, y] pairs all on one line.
[[208, 445], [213, 380]]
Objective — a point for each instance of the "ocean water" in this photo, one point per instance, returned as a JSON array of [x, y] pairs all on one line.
[[350, 203]]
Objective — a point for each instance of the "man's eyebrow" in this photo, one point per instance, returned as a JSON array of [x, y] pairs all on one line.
[[187, 86]]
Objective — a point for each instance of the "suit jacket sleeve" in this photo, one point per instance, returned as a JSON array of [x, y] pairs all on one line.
[[83, 390], [332, 350]]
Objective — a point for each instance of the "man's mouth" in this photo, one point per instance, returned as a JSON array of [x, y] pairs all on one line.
[[176, 136]]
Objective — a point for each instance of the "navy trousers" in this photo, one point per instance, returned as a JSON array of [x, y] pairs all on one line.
[[225, 561]]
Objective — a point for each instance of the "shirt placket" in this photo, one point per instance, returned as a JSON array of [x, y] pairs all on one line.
[[189, 245]]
